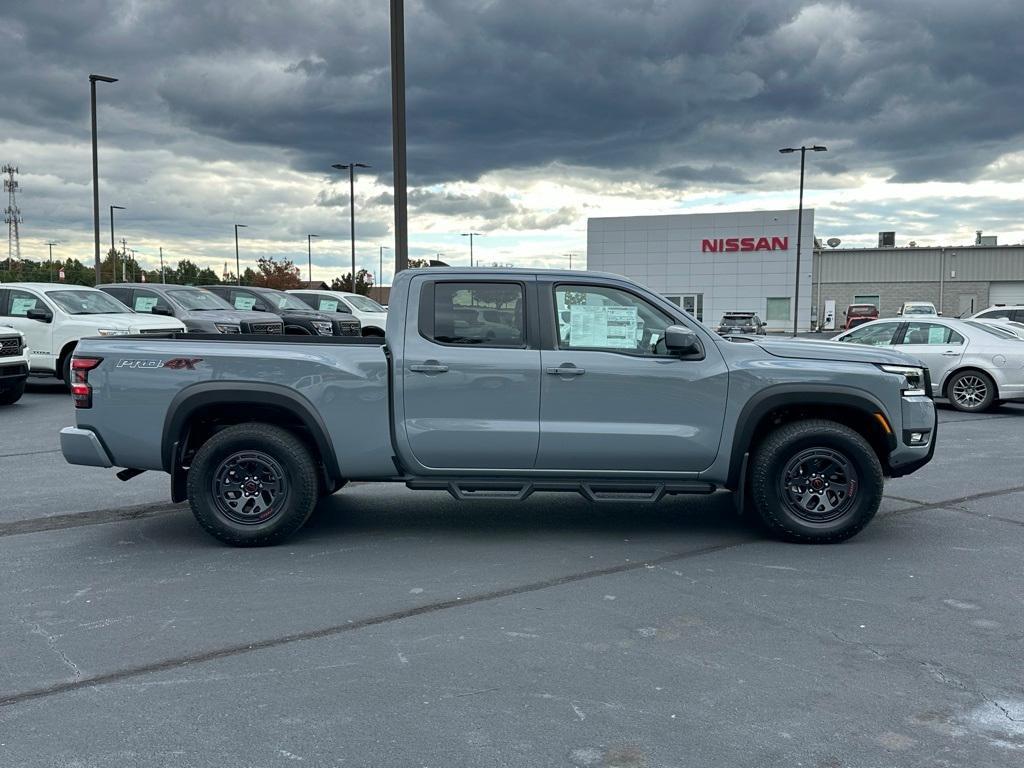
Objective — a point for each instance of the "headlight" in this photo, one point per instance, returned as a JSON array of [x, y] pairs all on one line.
[[112, 332], [914, 376], [323, 327], [228, 328]]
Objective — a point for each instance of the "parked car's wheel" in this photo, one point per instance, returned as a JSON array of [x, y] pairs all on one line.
[[12, 394], [253, 485], [65, 368], [815, 481], [971, 391]]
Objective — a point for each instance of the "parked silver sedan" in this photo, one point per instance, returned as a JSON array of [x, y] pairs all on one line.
[[973, 364]]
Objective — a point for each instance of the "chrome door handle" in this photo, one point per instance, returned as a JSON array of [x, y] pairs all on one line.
[[567, 370], [950, 353], [431, 366]]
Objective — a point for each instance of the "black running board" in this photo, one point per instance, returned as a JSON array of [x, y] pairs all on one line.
[[598, 490]]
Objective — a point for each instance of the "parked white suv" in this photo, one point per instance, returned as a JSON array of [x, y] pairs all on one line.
[[13, 365], [917, 309], [1014, 312], [367, 311], [53, 317]]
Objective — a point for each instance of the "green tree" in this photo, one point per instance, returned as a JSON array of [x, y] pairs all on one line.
[[364, 282]]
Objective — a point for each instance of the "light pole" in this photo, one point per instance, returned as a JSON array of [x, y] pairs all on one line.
[[113, 248], [380, 275], [51, 243], [569, 254], [398, 134], [309, 251], [163, 278], [800, 224], [93, 79], [351, 168], [471, 235], [238, 269]]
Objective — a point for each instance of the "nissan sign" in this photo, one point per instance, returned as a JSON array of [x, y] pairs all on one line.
[[730, 244]]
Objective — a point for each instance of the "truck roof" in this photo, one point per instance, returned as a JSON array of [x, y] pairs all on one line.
[[511, 271]]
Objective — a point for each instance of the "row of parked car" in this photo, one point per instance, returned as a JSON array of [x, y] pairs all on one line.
[[42, 323]]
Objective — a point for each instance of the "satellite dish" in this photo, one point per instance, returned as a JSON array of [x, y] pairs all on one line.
[[833, 242]]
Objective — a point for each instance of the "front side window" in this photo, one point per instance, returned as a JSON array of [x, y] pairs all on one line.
[[20, 302], [364, 304], [244, 300], [325, 302], [872, 335], [608, 319], [83, 302], [147, 301], [486, 314], [930, 333]]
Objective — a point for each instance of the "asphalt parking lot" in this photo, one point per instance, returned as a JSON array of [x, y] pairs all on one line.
[[405, 629]]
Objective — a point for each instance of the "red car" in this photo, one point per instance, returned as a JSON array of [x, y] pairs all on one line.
[[858, 314]]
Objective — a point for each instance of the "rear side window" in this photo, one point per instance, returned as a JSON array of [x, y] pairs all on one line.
[[482, 314]]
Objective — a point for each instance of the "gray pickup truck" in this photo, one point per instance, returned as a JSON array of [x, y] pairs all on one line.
[[498, 384]]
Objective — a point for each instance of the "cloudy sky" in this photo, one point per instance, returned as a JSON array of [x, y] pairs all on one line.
[[525, 118]]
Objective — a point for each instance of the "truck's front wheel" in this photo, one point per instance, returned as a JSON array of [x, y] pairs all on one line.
[[252, 485], [816, 481]]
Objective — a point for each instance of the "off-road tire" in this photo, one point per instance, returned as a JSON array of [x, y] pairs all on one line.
[[791, 441], [299, 479], [12, 394], [963, 377]]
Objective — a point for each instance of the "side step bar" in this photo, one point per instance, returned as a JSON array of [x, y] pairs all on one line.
[[517, 490]]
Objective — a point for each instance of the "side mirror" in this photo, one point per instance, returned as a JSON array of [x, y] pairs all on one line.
[[41, 314], [165, 311], [939, 314], [681, 340]]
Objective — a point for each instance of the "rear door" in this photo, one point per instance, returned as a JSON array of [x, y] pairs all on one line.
[[471, 391], [612, 398], [936, 345]]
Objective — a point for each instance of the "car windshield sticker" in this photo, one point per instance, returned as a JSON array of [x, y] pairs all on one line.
[[20, 306], [327, 305], [244, 302], [144, 303], [610, 327]]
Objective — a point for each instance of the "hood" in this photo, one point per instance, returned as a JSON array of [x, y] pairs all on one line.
[[141, 320], [302, 314], [801, 349]]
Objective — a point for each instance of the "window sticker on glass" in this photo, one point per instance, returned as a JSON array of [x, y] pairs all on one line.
[[328, 305], [21, 306], [936, 334], [609, 327], [145, 303], [244, 302]]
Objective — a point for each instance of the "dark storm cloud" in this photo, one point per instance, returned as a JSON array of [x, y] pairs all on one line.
[[921, 90]]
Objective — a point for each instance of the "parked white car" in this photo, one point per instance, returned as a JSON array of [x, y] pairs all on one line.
[[13, 365], [973, 364], [1012, 326], [1014, 312], [371, 314], [53, 318], [917, 309]]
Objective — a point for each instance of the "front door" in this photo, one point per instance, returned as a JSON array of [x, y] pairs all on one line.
[[938, 347], [38, 334], [613, 399], [470, 373]]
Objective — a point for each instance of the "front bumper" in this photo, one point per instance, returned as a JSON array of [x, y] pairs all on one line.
[[12, 374], [82, 446], [918, 415]]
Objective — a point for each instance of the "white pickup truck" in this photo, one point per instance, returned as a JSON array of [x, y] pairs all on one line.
[[54, 317], [13, 365]]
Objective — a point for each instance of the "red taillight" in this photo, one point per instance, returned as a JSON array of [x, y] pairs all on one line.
[[81, 391]]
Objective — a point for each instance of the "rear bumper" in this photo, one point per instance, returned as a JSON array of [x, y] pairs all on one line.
[[82, 446]]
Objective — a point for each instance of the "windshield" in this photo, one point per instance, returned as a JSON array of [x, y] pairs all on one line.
[[87, 303], [283, 300], [363, 304], [862, 311], [198, 300], [994, 330], [737, 318]]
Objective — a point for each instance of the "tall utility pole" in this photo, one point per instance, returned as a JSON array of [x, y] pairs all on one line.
[[398, 134], [163, 278], [93, 79], [569, 254], [51, 243], [800, 225], [238, 267], [471, 235], [124, 261], [380, 275], [12, 216], [113, 252], [309, 252], [351, 168]]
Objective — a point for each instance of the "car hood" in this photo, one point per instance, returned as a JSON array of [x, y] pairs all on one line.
[[298, 314], [802, 349]]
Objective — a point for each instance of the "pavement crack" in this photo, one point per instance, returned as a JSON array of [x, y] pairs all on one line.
[[51, 642], [876, 653]]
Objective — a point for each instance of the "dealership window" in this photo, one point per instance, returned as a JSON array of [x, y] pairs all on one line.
[[868, 298], [777, 309], [690, 302], [601, 318], [484, 314]]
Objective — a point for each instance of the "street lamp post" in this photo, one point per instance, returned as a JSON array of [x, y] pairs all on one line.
[[380, 275], [113, 247], [471, 235], [238, 268], [351, 168], [93, 79], [51, 243], [309, 252], [398, 134], [163, 278], [800, 224]]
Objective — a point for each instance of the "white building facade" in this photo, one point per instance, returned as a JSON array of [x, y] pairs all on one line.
[[713, 263]]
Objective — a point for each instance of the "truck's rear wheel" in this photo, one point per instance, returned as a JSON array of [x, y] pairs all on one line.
[[252, 485], [816, 481]]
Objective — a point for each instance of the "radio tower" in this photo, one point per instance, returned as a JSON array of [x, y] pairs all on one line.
[[12, 215]]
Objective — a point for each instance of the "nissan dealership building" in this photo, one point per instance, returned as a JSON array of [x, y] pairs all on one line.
[[712, 263]]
